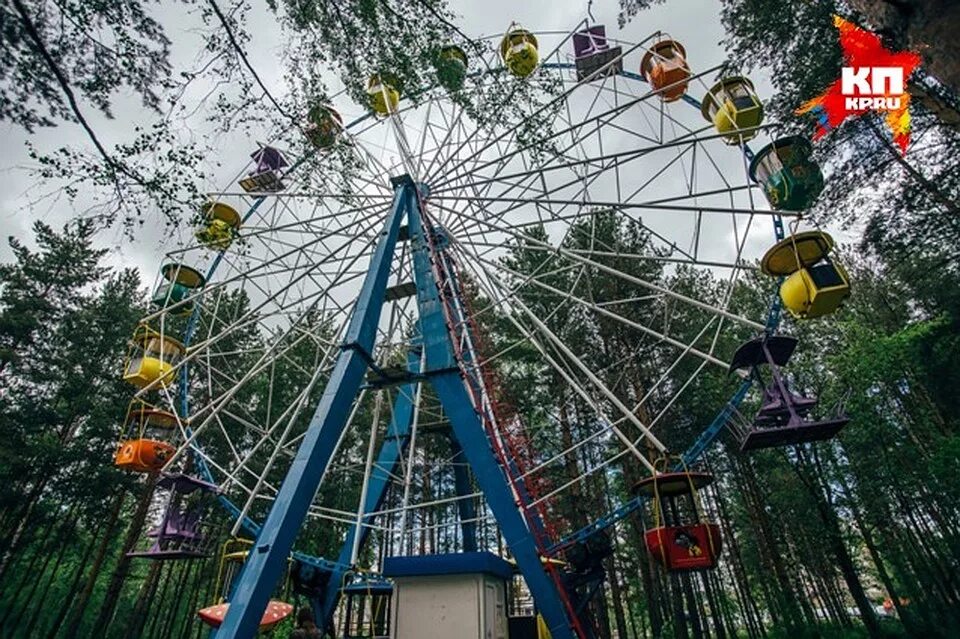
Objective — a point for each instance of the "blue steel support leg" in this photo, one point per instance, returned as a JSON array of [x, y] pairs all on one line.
[[474, 378], [465, 506], [268, 557], [392, 449], [446, 379]]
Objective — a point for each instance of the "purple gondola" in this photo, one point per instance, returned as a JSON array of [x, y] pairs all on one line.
[[180, 533], [265, 176], [785, 417], [592, 53]]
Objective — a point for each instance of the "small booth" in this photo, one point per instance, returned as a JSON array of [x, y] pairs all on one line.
[[151, 358], [451, 67], [814, 284], [664, 66], [383, 89], [324, 125], [146, 442], [366, 602], [233, 554], [732, 106], [265, 176], [181, 281], [681, 538], [592, 52], [460, 595], [180, 533], [519, 51], [219, 225], [790, 178]]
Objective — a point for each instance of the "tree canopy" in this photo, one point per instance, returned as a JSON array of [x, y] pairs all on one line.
[[818, 538]]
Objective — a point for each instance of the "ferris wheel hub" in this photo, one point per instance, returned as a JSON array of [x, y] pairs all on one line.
[[400, 180]]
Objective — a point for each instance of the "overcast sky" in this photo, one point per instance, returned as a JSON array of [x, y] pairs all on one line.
[[696, 23]]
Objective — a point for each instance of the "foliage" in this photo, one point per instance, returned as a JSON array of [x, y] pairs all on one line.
[[100, 48], [907, 206], [810, 531]]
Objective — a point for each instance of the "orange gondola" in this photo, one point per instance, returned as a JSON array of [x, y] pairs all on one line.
[[665, 67], [147, 435]]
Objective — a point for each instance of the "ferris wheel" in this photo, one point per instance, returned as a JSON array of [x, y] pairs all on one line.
[[337, 356]]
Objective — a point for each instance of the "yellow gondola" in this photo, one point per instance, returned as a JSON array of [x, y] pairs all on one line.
[[220, 225], [732, 105], [384, 93], [151, 358], [664, 66], [519, 51], [815, 284]]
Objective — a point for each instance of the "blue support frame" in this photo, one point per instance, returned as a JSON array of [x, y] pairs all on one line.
[[392, 449], [268, 557], [447, 380], [706, 438], [276, 537], [533, 516], [465, 506]]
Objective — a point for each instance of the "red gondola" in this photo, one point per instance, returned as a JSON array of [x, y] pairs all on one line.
[[681, 538]]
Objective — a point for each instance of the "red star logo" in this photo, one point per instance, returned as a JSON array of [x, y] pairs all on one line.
[[863, 50]]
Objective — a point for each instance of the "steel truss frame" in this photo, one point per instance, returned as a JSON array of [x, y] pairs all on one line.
[[442, 370]]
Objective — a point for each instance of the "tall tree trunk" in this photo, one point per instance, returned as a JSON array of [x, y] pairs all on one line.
[[679, 615], [651, 589], [772, 548], [834, 539], [613, 577], [13, 544], [202, 596], [25, 573], [69, 600], [903, 612], [43, 551], [601, 614], [141, 608], [39, 603], [741, 584], [576, 515], [181, 618], [693, 607], [716, 611], [158, 605], [122, 569], [38, 576], [81, 602], [193, 605]]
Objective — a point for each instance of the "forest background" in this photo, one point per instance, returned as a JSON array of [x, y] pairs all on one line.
[[818, 538]]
